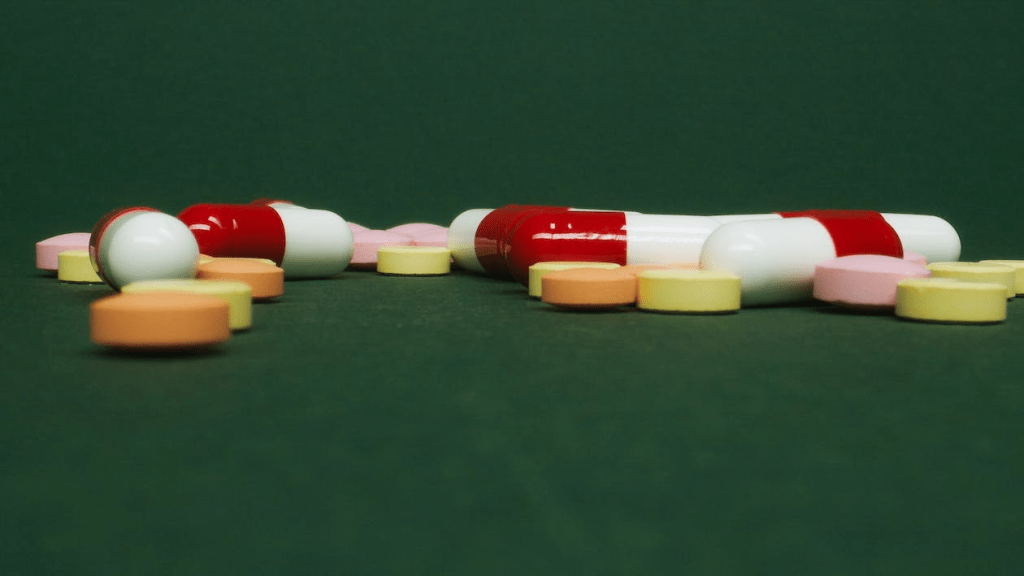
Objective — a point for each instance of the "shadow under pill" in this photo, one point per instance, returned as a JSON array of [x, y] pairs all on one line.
[[851, 311], [587, 311], [160, 354]]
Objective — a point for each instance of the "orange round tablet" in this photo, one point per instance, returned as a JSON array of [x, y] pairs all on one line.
[[589, 288], [267, 280], [159, 320]]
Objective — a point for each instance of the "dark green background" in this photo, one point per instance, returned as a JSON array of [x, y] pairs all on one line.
[[369, 424]]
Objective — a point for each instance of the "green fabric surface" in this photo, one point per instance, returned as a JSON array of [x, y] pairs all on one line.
[[370, 424]]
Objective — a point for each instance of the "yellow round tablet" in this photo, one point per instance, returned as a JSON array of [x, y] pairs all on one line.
[[1018, 267], [414, 260], [688, 291], [538, 270], [74, 266], [977, 272], [950, 300], [237, 294]]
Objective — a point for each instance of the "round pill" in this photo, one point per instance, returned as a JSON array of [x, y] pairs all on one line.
[[950, 300], [588, 288], [159, 320], [977, 272], [688, 291], [541, 269], [414, 260], [237, 294], [914, 257], [142, 244], [417, 229], [356, 228], [1018, 268], [266, 280], [864, 280], [437, 238], [74, 266], [47, 250], [367, 242]]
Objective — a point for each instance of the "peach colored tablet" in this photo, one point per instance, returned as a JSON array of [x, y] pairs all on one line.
[[863, 280], [541, 269], [589, 288], [48, 250], [159, 321], [267, 280], [367, 242]]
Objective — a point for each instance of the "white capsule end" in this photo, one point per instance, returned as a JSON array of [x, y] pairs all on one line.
[[147, 246], [462, 238], [774, 259], [318, 243], [929, 236]]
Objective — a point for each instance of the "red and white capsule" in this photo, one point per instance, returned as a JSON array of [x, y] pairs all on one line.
[[775, 259], [632, 238], [619, 237], [477, 237], [306, 243], [139, 243]]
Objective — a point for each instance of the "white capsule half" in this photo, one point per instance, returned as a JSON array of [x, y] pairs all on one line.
[[929, 236], [462, 238], [774, 259], [669, 239], [318, 243]]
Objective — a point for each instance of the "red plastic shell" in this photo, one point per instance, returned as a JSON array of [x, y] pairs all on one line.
[[236, 230], [856, 231], [493, 231], [269, 201], [568, 235]]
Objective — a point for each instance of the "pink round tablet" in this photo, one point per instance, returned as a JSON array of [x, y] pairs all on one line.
[[364, 254], [48, 250], [416, 229], [914, 257], [864, 280], [357, 227], [437, 238]]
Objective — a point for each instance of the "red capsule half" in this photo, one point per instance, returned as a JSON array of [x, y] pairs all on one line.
[[236, 230]]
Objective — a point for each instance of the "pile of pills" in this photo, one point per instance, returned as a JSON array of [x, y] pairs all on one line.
[[187, 282]]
